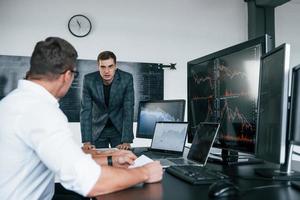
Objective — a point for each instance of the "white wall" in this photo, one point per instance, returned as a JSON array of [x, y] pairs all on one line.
[[136, 30], [287, 29], [141, 30]]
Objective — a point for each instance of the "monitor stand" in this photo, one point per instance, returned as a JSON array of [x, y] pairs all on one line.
[[285, 171], [233, 158], [278, 174]]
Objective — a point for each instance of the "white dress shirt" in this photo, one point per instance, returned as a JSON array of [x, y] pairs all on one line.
[[36, 144]]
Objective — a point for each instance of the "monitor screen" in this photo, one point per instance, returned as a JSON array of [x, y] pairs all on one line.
[[151, 112], [223, 88], [169, 136], [272, 107], [203, 141]]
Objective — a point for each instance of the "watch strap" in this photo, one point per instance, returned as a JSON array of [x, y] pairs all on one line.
[[109, 161]]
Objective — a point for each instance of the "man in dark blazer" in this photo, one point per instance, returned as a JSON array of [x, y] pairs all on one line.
[[107, 105]]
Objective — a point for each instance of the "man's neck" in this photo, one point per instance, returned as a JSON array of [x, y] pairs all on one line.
[[107, 82], [51, 88]]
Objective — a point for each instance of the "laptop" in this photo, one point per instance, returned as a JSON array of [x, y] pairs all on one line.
[[168, 140], [204, 138]]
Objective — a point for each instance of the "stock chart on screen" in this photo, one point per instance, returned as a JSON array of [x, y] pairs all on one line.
[[224, 89]]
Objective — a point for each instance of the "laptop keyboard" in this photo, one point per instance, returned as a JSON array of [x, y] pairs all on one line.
[[195, 174], [182, 161]]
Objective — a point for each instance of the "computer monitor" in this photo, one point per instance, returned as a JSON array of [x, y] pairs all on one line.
[[273, 105], [223, 88], [272, 128], [294, 126], [151, 112]]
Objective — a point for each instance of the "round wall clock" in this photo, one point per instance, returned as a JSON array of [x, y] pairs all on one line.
[[79, 25]]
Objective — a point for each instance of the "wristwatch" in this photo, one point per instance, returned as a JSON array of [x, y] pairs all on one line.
[[109, 161]]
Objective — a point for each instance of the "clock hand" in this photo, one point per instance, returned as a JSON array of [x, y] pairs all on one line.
[[78, 23]]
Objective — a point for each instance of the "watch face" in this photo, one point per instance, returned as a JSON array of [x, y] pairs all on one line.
[[79, 25]]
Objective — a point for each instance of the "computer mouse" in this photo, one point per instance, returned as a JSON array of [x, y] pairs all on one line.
[[296, 184], [223, 188]]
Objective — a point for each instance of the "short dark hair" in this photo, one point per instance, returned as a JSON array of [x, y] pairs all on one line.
[[50, 58], [105, 55]]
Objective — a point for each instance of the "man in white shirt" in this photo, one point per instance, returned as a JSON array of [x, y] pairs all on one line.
[[36, 142]]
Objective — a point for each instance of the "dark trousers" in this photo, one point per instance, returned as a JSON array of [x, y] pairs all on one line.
[[63, 194], [109, 136]]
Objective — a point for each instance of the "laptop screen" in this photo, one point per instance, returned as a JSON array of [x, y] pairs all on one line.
[[204, 138], [169, 136]]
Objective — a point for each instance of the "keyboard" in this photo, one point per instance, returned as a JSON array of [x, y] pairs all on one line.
[[195, 174]]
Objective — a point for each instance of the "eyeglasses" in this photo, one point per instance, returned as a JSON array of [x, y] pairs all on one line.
[[76, 73]]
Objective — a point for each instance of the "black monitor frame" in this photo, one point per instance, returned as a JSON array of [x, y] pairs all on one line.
[[264, 41], [150, 136]]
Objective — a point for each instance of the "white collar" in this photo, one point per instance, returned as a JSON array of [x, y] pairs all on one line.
[[37, 89]]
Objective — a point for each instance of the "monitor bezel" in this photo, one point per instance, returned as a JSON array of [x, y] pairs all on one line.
[[279, 159], [146, 136], [264, 41]]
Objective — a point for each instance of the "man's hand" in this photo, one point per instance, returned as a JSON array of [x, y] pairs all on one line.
[[154, 171], [123, 158], [88, 148], [125, 146]]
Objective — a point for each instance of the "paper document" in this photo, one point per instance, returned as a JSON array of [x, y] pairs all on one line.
[[140, 161]]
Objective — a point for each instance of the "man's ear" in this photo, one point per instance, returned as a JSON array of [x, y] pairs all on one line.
[[63, 78], [67, 76]]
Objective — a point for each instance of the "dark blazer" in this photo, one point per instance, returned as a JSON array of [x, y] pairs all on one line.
[[94, 112]]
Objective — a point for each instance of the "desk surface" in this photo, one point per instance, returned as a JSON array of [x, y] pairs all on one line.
[[173, 188]]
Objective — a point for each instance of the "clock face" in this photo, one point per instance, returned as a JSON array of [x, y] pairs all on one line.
[[79, 25]]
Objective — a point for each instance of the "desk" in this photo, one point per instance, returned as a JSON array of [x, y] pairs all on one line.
[[172, 188]]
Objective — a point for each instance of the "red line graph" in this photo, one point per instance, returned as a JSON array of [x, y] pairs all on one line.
[[234, 114], [230, 73], [229, 93], [241, 138], [200, 80]]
